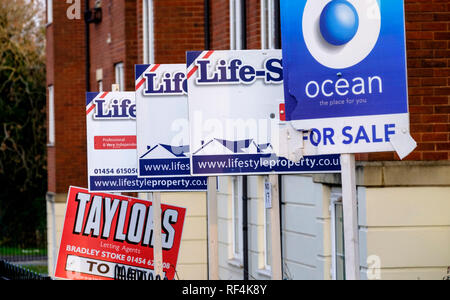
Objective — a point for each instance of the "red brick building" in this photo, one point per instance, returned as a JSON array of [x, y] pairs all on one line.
[[132, 32]]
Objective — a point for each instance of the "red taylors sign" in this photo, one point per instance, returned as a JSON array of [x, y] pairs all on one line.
[[108, 236]]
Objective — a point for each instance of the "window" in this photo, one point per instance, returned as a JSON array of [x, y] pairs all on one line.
[[99, 78], [337, 235], [236, 22], [148, 39], [236, 220], [49, 11], [51, 116], [100, 85], [120, 76]]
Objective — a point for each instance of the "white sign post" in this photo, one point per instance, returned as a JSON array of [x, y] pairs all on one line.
[[157, 247], [350, 204], [213, 231], [274, 211]]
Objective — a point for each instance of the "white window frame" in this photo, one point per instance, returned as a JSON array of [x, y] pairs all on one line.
[[236, 25], [120, 75], [51, 116], [266, 268], [100, 85], [148, 32], [335, 198], [268, 24], [237, 239], [49, 5]]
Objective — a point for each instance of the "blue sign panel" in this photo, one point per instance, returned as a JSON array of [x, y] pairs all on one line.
[[343, 59], [336, 71]]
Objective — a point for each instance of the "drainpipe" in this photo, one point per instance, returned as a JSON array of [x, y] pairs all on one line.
[[245, 226], [244, 24], [87, 39], [280, 199], [207, 12], [245, 178], [280, 178]]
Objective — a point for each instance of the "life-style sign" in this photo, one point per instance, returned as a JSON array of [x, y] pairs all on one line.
[[111, 237], [163, 147], [345, 74], [235, 103], [112, 148]]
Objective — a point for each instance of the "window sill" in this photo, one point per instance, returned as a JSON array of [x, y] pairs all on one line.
[[265, 272], [236, 262]]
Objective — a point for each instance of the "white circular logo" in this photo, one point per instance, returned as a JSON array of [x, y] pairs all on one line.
[[341, 33]]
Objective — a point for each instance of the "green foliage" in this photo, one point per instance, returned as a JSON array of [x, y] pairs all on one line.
[[23, 175]]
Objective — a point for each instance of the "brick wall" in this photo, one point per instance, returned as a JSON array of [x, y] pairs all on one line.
[[428, 52], [114, 40], [428, 44], [66, 72], [220, 24], [179, 27], [139, 32], [131, 42], [253, 24]]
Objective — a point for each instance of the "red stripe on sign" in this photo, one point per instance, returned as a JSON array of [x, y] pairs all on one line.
[[208, 54], [115, 142], [104, 95], [140, 83], [194, 69], [282, 112], [90, 109], [154, 68]]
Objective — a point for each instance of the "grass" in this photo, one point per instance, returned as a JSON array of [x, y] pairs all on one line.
[[39, 269]]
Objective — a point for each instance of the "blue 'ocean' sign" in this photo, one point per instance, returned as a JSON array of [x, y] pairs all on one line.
[[345, 72]]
